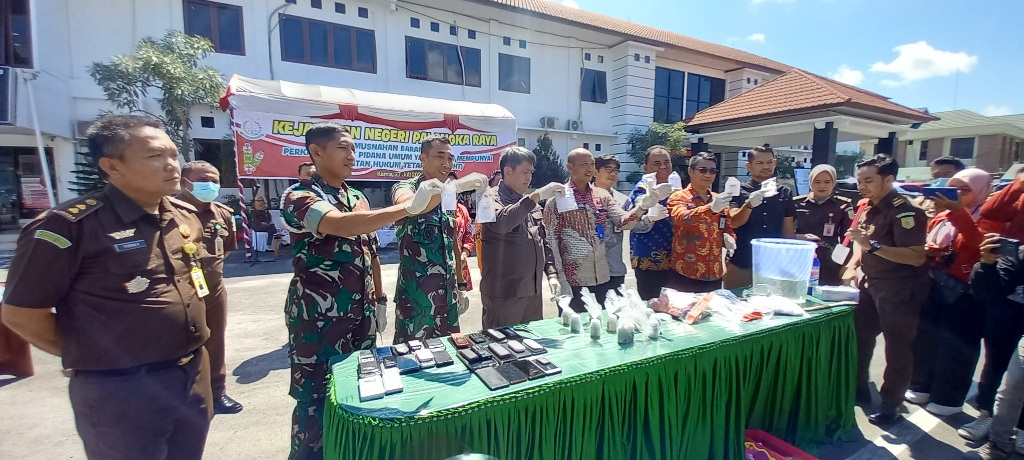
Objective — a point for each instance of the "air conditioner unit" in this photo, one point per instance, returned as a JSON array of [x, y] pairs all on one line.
[[548, 122], [8, 97], [574, 125]]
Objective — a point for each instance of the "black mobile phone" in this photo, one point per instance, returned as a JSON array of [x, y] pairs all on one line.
[[368, 368], [501, 352], [495, 335], [510, 333], [386, 357], [469, 356], [530, 368], [435, 344], [484, 352], [478, 337], [1008, 247], [408, 364], [492, 378], [512, 373], [442, 358], [547, 366]]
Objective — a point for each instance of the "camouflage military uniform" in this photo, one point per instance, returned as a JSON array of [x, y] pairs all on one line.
[[425, 295], [329, 308]]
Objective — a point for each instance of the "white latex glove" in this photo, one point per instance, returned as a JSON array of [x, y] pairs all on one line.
[[473, 181], [647, 201], [730, 244], [656, 213], [720, 202], [381, 317], [756, 198], [463, 300], [424, 193], [770, 187], [555, 287], [663, 191], [548, 191]]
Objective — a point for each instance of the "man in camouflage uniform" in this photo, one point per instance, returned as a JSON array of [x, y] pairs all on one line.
[[330, 306], [427, 302]]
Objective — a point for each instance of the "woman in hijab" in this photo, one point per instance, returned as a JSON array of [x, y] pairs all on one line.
[[948, 341], [823, 218]]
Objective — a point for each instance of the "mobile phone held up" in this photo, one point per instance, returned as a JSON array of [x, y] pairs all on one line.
[[951, 193], [1008, 247]]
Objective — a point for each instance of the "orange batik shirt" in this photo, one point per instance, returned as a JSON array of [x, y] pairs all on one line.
[[697, 235]]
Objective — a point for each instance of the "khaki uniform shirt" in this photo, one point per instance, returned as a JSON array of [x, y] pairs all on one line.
[[893, 222], [218, 222], [118, 277], [515, 257]]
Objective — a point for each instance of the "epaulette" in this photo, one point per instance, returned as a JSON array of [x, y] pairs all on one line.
[[802, 197], [223, 206], [182, 204], [898, 201], [77, 209], [843, 198]]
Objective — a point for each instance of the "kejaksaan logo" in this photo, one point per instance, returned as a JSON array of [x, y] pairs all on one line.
[[252, 130]]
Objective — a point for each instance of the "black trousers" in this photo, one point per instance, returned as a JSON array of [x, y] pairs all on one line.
[[947, 348], [162, 415], [683, 284], [889, 308], [600, 292], [650, 282], [1002, 332]]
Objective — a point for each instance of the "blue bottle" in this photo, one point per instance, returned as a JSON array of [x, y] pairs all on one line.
[[815, 273]]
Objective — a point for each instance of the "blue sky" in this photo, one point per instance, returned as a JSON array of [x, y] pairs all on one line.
[[972, 55]]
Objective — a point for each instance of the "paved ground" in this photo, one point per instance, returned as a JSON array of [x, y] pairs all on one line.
[[36, 420]]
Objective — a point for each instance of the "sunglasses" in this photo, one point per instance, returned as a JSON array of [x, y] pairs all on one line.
[[705, 170]]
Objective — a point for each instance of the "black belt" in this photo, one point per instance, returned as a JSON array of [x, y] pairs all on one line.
[[130, 371]]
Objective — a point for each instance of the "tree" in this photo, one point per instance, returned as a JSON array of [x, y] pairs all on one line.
[[549, 166], [846, 163], [87, 176], [784, 167], [168, 66], [671, 136]]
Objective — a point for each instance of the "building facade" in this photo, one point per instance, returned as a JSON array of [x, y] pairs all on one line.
[[585, 79]]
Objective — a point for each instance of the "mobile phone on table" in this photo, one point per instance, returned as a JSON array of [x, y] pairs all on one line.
[[460, 341], [442, 358], [1008, 247], [435, 344], [951, 193], [547, 366], [530, 368], [386, 356], [492, 378], [371, 388]]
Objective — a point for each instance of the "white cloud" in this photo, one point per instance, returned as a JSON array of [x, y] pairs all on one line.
[[571, 4], [756, 38], [847, 75], [919, 61], [996, 110]]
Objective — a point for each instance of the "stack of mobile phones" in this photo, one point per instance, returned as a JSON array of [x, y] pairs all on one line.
[[371, 381], [500, 375]]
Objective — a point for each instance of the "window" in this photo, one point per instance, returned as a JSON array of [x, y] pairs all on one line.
[[220, 23], [586, 56], [702, 92], [453, 31], [364, 13], [507, 41], [513, 73], [923, 151], [521, 142], [207, 122], [597, 147], [339, 7], [522, 44], [414, 23], [962, 148], [593, 86], [441, 62], [669, 87], [636, 57], [318, 4], [435, 27], [600, 59], [586, 145], [471, 34], [306, 41], [647, 59]]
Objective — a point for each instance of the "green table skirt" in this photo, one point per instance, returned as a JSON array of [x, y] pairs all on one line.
[[795, 380]]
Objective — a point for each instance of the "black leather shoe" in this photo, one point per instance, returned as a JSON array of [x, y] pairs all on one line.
[[887, 414], [226, 405]]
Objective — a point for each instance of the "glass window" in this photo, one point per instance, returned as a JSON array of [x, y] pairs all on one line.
[[435, 27], [363, 12], [414, 23], [668, 94], [218, 22], [513, 73], [923, 152], [702, 92], [339, 7], [962, 148], [318, 4], [594, 86], [307, 41], [471, 34], [441, 62]]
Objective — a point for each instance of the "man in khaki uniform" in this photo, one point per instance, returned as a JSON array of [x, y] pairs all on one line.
[[121, 268], [200, 185]]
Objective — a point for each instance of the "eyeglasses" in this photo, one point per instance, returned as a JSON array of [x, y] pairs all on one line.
[[610, 170], [705, 170]]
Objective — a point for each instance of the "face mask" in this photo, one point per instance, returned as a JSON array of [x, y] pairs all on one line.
[[205, 191]]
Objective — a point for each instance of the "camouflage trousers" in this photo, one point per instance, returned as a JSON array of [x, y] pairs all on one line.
[[308, 417]]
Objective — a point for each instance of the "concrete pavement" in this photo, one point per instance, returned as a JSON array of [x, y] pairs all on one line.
[[37, 422]]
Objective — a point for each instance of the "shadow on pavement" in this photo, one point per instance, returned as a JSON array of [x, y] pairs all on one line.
[[237, 266], [7, 380], [258, 367]]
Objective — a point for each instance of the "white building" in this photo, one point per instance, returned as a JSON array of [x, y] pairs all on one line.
[[585, 78]]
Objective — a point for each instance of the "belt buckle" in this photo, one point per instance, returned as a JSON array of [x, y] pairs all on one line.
[[186, 360]]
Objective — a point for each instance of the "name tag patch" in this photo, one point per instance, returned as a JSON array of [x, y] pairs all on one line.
[[137, 244]]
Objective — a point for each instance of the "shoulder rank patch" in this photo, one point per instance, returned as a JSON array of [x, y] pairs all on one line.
[[78, 210], [843, 199], [54, 238], [898, 201]]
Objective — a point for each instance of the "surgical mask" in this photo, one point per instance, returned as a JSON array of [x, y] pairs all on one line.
[[205, 191]]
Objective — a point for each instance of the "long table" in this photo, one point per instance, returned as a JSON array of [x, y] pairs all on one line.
[[687, 395]]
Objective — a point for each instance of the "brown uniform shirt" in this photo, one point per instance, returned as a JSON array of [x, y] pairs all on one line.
[[118, 277], [218, 222], [515, 255], [893, 222]]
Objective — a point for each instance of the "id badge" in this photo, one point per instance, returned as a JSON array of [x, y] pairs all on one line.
[[830, 229], [721, 222], [218, 246], [202, 290], [600, 231]]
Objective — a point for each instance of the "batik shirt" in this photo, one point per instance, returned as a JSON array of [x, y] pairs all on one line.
[[698, 240], [330, 301], [425, 294], [650, 243]]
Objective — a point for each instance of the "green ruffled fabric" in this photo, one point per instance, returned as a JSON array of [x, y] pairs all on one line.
[[689, 395]]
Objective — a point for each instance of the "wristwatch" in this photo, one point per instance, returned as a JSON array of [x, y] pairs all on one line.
[[382, 299], [874, 247], [463, 286]]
